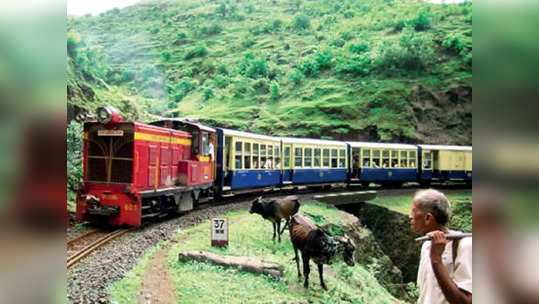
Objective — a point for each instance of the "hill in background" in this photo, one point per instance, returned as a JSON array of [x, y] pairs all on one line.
[[381, 70]]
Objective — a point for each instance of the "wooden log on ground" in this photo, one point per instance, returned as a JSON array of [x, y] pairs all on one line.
[[249, 264]]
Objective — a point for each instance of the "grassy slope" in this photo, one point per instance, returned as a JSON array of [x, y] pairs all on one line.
[[147, 43], [402, 203], [251, 236]]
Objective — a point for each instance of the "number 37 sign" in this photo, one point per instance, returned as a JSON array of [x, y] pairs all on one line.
[[219, 231]]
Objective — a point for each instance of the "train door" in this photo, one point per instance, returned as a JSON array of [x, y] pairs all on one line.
[[287, 164], [226, 161], [355, 163]]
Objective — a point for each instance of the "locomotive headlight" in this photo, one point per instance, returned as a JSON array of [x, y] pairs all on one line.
[[104, 114], [108, 114]]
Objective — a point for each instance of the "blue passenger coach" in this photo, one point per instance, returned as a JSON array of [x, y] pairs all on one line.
[[446, 163], [314, 161], [247, 160], [391, 164]]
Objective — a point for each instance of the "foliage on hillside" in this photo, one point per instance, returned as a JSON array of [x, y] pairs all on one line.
[[250, 235], [376, 69]]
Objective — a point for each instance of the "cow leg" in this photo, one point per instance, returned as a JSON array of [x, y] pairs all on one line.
[[321, 274], [287, 222], [297, 261], [278, 223], [274, 229], [306, 269]]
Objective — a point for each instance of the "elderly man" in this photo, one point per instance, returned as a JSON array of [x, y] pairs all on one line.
[[445, 268]]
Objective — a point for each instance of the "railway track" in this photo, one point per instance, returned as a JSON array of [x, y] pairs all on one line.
[[84, 244]]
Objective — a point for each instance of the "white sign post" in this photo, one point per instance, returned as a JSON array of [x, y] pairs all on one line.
[[219, 231]]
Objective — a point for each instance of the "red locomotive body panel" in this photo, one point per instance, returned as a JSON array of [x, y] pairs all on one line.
[[123, 159]]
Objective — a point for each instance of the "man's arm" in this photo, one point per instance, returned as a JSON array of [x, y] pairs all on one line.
[[452, 293]]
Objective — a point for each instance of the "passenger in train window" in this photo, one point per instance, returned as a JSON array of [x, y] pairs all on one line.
[[395, 163], [255, 164], [278, 163], [366, 163], [412, 164], [267, 165], [385, 164]]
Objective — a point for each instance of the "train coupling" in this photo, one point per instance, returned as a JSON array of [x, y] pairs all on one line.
[[94, 207]]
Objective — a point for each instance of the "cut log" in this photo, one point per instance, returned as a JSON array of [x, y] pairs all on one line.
[[249, 264]]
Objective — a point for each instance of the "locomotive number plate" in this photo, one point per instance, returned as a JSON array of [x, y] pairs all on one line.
[[110, 132]]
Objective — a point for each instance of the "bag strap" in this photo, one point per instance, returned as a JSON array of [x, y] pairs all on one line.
[[455, 250]]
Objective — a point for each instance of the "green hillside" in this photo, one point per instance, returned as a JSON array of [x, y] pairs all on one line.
[[384, 70]]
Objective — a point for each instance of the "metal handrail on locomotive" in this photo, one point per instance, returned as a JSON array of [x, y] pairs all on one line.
[[133, 171]]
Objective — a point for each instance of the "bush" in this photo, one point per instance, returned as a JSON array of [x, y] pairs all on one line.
[[324, 59], [277, 24], [74, 154], [250, 9], [358, 48], [308, 67], [126, 76], [296, 77], [213, 29], [182, 35], [154, 30], [337, 43], [275, 91], [413, 52], [208, 93], [422, 22], [73, 41], [453, 44], [148, 72], [221, 9], [248, 43], [399, 25], [356, 66], [166, 56], [346, 36], [221, 81], [253, 67], [261, 86], [196, 52], [348, 14], [302, 22], [222, 69]]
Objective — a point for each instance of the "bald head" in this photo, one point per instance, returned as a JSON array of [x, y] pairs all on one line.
[[434, 202]]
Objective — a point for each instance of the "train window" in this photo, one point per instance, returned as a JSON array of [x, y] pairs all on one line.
[[376, 158], [255, 157], [404, 159], [342, 158], [394, 159], [325, 158], [411, 159], [205, 144], [308, 157], [385, 159], [262, 156], [427, 160], [226, 155], [334, 157], [366, 160], [277, 154], [247, 155], [317, 158], [194, 140], [298, 157], [287, 157], [237, 155]]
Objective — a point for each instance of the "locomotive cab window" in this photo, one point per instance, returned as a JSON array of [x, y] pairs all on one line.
[[205, 144]]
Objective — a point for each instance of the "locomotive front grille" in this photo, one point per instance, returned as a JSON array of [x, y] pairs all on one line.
[[110, 157]]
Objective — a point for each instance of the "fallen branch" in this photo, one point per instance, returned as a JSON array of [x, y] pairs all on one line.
[[249, 264]]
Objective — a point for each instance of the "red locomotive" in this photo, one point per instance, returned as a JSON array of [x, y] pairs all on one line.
[[133, 171]]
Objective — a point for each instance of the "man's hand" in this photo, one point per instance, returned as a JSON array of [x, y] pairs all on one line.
[[437, 247]]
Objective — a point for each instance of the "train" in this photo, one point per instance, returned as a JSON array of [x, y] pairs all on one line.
[[134, 171]]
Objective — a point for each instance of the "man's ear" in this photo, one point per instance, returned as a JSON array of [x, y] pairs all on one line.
[[428, 218]]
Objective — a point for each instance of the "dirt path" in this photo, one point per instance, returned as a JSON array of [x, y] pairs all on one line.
[[157, 286]]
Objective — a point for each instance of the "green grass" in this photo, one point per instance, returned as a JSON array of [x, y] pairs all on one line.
[[403, 203], [250, 235]]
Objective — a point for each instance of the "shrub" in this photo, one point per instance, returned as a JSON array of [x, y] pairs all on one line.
[[277, 24], [213, 29], [74, 154], [337, 43], [399, 25], [73, 41], [348, 14], [253, 67], [196, 52], [275, 91], [302, 22], [273, 73], [126, 76], [166, 56], [148, 72], [222, 69], [221, 9], [208, 93], [413, 52], [422, 22], [248, 43], [453, 44], [250, 9], [182, 35], [324, 59], [154, 30], [296, 77], [221, 82], [356, 66], [172, 105], [308, 67], [261, 86], [358, 48], [346, 36]]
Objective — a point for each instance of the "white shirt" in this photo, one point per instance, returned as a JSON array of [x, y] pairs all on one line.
[[461, 273]]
